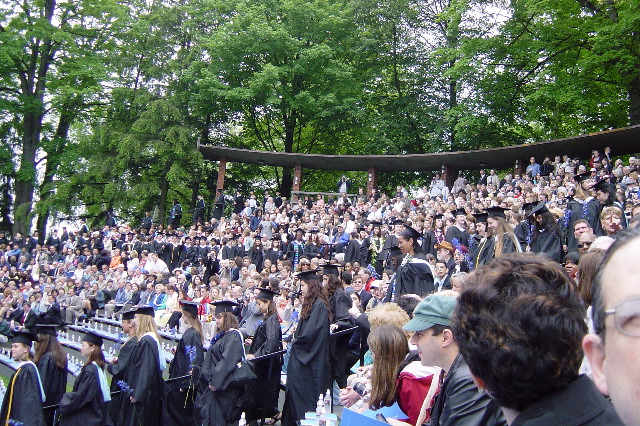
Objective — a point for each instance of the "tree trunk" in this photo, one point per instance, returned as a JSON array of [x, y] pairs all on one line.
[[164, 190], [26, 175], [634, 101]]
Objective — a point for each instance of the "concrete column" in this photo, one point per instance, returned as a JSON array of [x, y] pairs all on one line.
[[222, 169], [520, 166], [448, 175], [297, 177], [372, 180]]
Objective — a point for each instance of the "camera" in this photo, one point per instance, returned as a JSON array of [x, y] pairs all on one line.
[[361, 389], [294, 295]]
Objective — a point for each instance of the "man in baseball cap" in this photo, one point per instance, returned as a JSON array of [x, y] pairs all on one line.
[[458, 401]]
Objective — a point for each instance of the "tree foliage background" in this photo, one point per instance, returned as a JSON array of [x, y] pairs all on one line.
[[102, 103]]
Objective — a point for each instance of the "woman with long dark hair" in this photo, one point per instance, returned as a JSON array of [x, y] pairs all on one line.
[[308, 371], [546, 236], [87, 403], [180, 394], [261, 395], [24, 397], [413, 276], [215, 403], [52, 366]]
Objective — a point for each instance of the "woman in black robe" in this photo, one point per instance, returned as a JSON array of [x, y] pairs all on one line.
[[413, 276], [87, 403], [24, 397], [144, 375], [502, 240], [52, 366], [118, 367], [216, 400], [339, 304], [180, 394], [546, 236], [308, 370], [260, 397]]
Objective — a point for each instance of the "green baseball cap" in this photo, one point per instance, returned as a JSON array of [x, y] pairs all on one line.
[[433, 310]]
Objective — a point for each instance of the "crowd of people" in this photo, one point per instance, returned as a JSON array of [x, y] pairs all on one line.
[[488, 285]]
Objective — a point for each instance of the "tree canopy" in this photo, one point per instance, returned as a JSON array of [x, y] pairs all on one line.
[[103, 103]]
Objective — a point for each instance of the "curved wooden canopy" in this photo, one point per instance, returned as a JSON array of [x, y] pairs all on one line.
[[622, 141]]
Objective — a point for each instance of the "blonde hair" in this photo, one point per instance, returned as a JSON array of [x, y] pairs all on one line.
[[388, 313], [145, 324]]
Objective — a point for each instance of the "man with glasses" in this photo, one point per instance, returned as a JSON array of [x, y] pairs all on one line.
[[614, 349], [584, 242]]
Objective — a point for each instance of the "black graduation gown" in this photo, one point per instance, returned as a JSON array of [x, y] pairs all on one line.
[[413, 277], [578, 210], [117, 372], [180, 394], [488, 248], [549, 242], [85, 404], [144, 376], [262, 393], [26, 404], [521, 232], [217, 408], [340, 303], [390, 241], [308, 371], [428, 242], [365, 252], [454, 233], [54, 383], [352, 252]]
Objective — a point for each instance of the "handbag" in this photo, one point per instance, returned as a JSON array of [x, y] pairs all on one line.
[[243, 372]]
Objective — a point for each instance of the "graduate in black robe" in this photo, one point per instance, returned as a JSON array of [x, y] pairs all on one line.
[[189, 354], [546, 237], [414, 275], [216, 400], [339, 304], [24, 397], [352, 252], [119, 366], [52, 366], [87, 403], [308, 370], [499, 229], [261, 395], [457, 232], [144, 375]]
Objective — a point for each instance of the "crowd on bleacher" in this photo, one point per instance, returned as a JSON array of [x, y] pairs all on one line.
[[389, 264]]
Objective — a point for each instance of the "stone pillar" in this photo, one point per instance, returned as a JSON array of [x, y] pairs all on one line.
[[520, 167], [372, 180], [297, 177], [448, 175], [222, 169]]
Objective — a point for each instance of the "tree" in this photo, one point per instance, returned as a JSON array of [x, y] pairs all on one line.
[[47, 48]]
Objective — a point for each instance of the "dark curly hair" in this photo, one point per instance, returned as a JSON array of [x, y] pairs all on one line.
[[314, 292], [519, 326]]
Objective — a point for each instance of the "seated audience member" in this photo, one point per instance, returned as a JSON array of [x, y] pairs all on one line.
[[459, 400], [519, 327], [613, 350]]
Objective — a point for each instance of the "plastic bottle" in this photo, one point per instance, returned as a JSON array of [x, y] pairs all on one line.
[[327, 401], [243, 420]]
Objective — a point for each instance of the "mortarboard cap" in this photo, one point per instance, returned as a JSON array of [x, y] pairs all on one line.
[[397, 222], [438, 216], [308, 275], [191, 307], [145, 310], [330, 268], [409, 232], [603, 185], [266, 293], [395, 251], [481, 217], [375, 223], [224, 306], [128, 314], [496, 211], [23, 337], [49, 329], [459, 211], [582, 177], [91, 337]]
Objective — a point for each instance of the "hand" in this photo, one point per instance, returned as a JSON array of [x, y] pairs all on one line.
[[333, 327], [213, 388], [132, 399], [354, 311], [348, 397], [114, 360], [248, 341], [250, 356]]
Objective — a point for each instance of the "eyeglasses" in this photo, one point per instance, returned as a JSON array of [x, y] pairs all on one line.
[[627, 316], [585, 244]]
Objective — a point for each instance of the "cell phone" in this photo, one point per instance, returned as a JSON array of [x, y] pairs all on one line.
[[381, 418]]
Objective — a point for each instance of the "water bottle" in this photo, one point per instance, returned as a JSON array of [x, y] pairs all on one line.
[[243, 420], [327, 401]]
